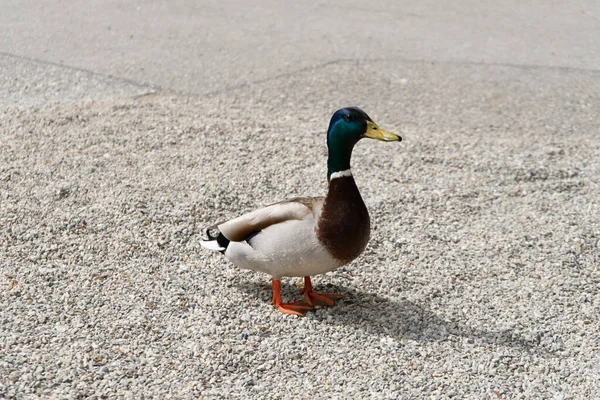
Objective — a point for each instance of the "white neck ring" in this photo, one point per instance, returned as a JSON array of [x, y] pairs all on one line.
[[340, 174]]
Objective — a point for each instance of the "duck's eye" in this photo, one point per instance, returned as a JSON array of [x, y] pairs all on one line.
[[348, 117]]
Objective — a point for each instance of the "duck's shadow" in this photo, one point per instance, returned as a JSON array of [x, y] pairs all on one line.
[[400, 320]]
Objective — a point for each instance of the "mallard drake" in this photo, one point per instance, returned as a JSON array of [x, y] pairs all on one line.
[[307, 236]]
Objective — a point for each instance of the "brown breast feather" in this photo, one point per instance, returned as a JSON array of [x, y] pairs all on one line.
[[344, 225]]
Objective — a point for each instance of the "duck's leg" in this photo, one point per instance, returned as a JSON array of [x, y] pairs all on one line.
[[287, 308], [312, 297]]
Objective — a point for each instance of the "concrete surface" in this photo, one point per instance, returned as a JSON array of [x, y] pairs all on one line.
[[124, 129], [201, 47]]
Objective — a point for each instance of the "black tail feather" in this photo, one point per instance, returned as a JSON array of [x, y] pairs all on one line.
[[219, 237]]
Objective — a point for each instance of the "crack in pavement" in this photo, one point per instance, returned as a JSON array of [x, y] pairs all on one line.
[[158, 88], [83, 70]]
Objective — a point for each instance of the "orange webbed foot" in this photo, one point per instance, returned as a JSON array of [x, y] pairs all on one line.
[[295, 308], [311, 297]]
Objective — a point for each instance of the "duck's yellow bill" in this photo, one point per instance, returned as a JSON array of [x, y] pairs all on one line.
[[375, 132]]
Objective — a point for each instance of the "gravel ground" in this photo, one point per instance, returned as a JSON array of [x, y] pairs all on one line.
[[481, 280]]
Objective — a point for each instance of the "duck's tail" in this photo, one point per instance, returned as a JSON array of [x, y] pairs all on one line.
[[216, 240]]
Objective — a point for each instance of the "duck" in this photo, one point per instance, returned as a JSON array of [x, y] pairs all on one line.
[[307, 236]]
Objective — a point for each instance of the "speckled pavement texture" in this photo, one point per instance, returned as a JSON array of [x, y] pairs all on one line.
[[481, 279]]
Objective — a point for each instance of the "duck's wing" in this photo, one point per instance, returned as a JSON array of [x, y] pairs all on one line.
[[240, 228]]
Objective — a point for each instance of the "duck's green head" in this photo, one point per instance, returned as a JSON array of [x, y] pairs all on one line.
[[347, 126]]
